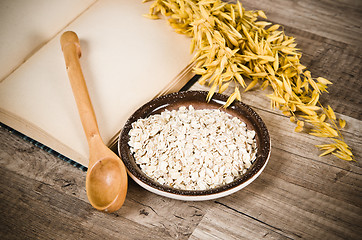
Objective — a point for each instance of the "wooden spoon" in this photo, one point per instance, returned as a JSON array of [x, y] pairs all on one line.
[[106, 181]]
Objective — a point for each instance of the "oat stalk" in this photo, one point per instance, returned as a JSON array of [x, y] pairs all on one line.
[[231, 44]]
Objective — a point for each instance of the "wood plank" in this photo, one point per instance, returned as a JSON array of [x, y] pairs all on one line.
[[275, 206], [171, 218], [289, 200], [177, 219], [223, 222], [297, 210], [340, 20], [32, 209]]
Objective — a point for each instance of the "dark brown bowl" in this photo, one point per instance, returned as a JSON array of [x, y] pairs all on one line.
[[198, 100]]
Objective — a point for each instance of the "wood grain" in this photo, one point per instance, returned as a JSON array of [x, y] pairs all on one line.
[[338, 20], [298, 196]]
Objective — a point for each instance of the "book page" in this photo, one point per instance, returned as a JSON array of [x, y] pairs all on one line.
[[127, 59], [25, 26]]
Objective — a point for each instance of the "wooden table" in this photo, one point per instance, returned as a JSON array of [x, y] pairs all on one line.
[[299, 195]]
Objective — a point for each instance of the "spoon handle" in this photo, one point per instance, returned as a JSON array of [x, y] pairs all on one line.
[[71, 50]]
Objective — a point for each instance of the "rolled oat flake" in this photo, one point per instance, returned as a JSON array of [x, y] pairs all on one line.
[[192, 149]]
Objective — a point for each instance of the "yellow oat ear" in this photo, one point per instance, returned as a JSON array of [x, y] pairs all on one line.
[[251, 85], [342, 123], [230, 100], [230, 44]]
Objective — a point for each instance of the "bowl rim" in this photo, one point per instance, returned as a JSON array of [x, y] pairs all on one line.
[[183, 98]]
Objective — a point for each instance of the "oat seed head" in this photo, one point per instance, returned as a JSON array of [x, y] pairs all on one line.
[[232, 44]]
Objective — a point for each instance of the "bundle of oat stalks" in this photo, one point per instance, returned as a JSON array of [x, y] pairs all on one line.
[[232, 44]]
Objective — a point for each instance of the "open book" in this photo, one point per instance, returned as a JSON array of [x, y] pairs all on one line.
[[127, 60]]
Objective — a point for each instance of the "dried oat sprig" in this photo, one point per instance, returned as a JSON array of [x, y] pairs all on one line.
[[234, 45]]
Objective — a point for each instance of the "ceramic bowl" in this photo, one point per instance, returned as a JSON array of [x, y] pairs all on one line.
[[197, 100]]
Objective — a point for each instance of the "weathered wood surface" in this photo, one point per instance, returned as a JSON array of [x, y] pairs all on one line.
[[298, 196]]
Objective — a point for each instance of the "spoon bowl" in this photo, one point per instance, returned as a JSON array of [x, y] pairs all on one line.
[[106, 181], [104, 185]]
